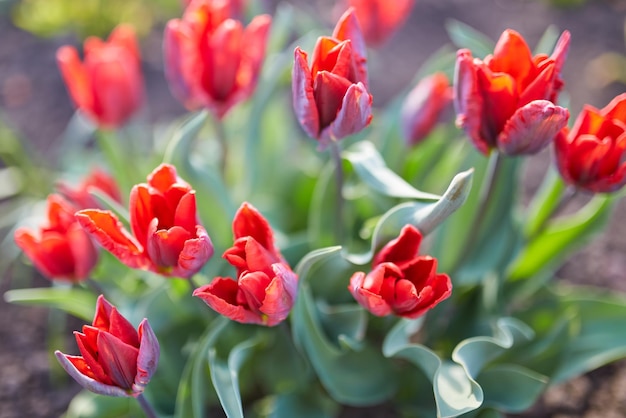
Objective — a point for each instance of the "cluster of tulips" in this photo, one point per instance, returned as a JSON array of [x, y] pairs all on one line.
[[505, 103]]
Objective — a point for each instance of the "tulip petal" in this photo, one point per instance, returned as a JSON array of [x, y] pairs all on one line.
[[109, 232], [354, 114], [402, 249], [118, 359], [148, 358], [186, 212], [50, 254], [122, 328], [87, 382], [468, 101], [248, 221], [348, 28], [369, 300], [75, 76], [194, 255], [83, 251], [512, 56], [165, 245], [221, 296], [302, 94], [279, 295], [330, 91], [532, 128]]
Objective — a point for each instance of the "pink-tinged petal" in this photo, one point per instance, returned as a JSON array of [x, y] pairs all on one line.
[[253, 286], [182, 70], [402, 249], [303, 98], [379, 19], [560, 51], [118, 359], [280, 295], [405, 296], [83, 251], [259, 258], [195, 254], [221, 296], [616, 109], [438, 291], [87, 382], [532, 128], [289, 278], [76, 77], [329, 92], [125, 37], [348, 28], [468, 101], [354, 114], [148, 358], [248, 221], [121, 328], [109, 232], [186, 213]]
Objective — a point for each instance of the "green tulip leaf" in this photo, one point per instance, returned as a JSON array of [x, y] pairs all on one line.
[[307, 403], [369, 165], [455, 391], [521, 391], [464, 36], [424, 216], [225, 375], [90, 405], [340, 368], [77, 302]]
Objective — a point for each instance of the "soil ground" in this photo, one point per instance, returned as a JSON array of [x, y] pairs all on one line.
[[34, 103]]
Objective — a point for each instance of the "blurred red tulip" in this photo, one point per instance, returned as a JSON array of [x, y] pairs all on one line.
[[211, 60], [166, 239], [423, 107], [96, 180], [592, 156], [116, 359], [330, 98], [379, 19], [108, 85], [60, 250], [506, 101], [265, 289], [401, 282]]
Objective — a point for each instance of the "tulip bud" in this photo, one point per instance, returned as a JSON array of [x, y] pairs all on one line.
[[96, 180], [116, 359], [107, 86], [379, 19], [60, 250]]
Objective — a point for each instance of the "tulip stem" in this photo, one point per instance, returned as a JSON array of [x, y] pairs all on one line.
[[145, 405], [566, 197], [486, 193], [220, 132], [339, 203], [95, 286]]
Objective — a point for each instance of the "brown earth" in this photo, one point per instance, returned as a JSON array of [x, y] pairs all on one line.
[[34, 103]]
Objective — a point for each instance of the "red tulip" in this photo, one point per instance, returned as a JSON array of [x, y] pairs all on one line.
[[401, 282], [211, 60], [166, 238], [330, 97], [379, 19], [116, 359], [423, 107], [592, 156], [96, 180], [60, 250], [506, 101], [107, 86], [265, 289], [236, 6]]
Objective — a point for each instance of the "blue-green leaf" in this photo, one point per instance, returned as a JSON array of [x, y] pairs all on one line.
[[77, 302], [89, 405], [464, 36], [521, 391]]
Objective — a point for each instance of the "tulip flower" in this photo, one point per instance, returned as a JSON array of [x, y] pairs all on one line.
[[506, 101], [60, 250], [423, 107], [330, 97], [116, 359], [211, 60], [96, 180], [265, 289], [108, 85], [592, 156], [379, 19], [401, 282], [166, 236]]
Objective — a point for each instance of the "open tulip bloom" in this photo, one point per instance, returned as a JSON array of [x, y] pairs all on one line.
[[410, 271]]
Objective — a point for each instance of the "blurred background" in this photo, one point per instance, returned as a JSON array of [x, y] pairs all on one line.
[[35, 111]]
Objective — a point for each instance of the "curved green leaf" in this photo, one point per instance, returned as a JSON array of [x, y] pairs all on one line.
[[77, 302], [464, 36], [521, 391]]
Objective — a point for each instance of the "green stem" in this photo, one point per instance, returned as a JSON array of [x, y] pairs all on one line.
[[145, 405], [220, 132], [566, 197], [116, 157], [339, 201], [486, 194], [95, 286]]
